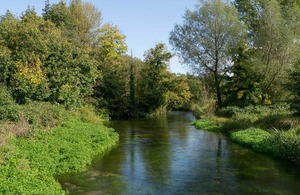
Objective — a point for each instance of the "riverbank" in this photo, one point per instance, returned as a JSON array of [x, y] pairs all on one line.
[[31, 158], [270, 130]]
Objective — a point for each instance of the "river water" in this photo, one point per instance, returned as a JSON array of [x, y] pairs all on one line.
[[168, 156]]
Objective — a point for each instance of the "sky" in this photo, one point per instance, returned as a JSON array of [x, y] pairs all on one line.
[[143, 22]]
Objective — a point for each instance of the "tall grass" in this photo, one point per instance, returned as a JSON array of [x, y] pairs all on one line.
[[287, 145]]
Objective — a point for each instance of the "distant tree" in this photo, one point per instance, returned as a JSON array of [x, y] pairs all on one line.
[[151, 88], [177, 91], [206, 37]]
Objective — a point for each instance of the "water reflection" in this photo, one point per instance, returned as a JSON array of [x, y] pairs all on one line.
[[168, 156]]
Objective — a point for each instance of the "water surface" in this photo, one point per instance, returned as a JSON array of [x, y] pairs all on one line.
[[168, 156]]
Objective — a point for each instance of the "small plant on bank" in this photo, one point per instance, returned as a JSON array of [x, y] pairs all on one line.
[[209, 125], [255, 138]]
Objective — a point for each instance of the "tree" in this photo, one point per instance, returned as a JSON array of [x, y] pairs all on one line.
[[177, 91], [79, 21], [249, 11], [274, 36], [244, 87], [39, 63], [111, 90], [206, 37], [151, 88], [293, 86]]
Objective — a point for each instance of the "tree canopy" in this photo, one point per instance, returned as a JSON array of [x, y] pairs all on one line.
[[206, 37]]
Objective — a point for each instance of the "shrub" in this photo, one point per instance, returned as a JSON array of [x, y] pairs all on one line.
[[203, 111], [89, 114], [266, 117], [255, 138], [209, 125], [41, 115], [8, 108]]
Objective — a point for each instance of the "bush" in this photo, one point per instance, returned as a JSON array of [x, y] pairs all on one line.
[[255, 138], [209, 125], [89, 114], [266, 117], [41, 115], [8, 108], [203, 111]]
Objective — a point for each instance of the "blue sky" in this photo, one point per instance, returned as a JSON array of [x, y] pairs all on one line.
[[144, 22]]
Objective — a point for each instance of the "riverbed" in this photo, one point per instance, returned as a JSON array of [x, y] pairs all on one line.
[[167, 155]]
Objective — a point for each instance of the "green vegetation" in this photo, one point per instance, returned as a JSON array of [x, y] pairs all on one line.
[[40, 140], [245, 53], [271, 130], [61, 75], [64, 71], [208, 125], [29, 164], [257, 139], [68, 56], [246, 56]]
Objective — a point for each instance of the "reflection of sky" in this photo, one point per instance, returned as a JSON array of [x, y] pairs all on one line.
[[188, 161]]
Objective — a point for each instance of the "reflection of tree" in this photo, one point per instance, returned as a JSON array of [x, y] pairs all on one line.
[[156, 153], [218, 176], [256, 172], [179, 125]]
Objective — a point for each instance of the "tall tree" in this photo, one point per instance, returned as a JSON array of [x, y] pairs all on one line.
[[80, 21], [274, 36], [151, 88], [112, 88], [205, 39]]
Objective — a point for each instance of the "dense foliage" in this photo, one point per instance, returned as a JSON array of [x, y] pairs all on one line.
[[242, 70], [68, 56]]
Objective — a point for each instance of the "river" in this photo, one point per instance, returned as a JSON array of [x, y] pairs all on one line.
[[168, 156]]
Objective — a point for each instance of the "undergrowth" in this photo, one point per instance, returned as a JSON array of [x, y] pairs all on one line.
[[40, 140], [28, 165]]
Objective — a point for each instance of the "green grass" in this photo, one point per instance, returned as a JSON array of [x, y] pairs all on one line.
[[28, 165]]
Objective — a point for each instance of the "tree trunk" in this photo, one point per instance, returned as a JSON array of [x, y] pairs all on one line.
[[218, 90]]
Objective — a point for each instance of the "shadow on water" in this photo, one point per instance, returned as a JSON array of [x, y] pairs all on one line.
[[168, 156]]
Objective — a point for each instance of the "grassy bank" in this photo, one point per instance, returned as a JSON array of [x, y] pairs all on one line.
[[46, 141], [271, 130]]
